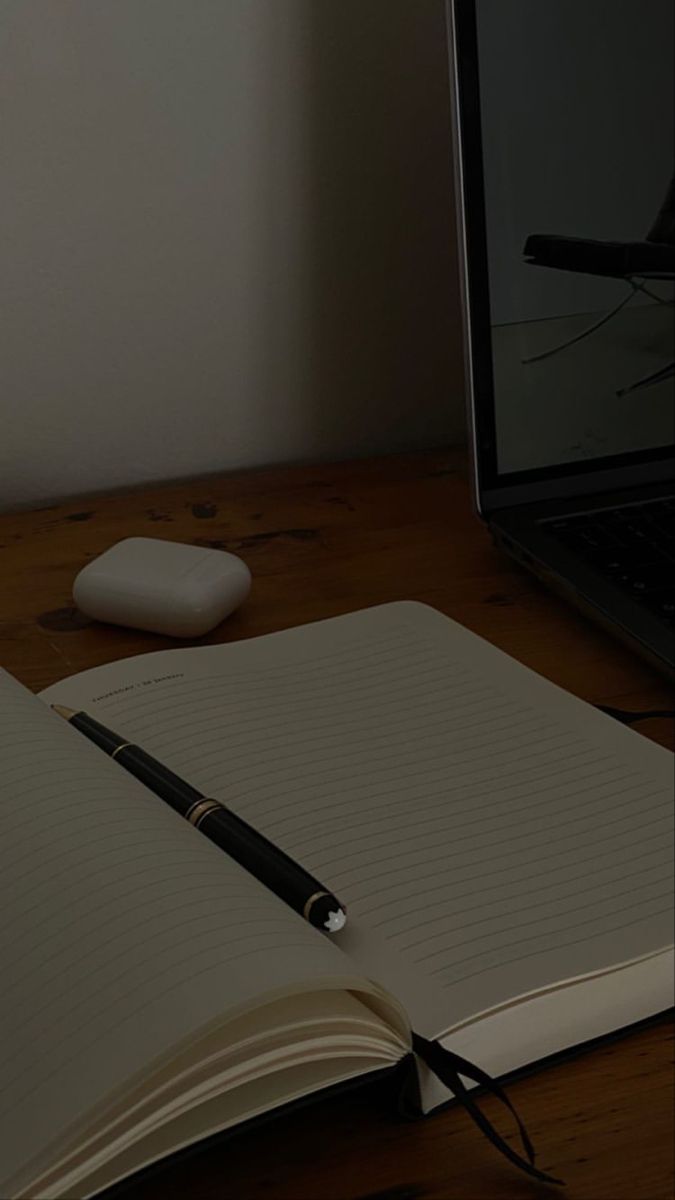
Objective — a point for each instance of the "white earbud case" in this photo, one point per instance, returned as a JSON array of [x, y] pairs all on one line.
[[163, 587]]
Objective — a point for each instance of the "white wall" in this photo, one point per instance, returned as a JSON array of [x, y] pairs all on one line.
[[226, 237]]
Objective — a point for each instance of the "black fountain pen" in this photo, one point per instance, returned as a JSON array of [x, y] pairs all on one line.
[[260, 857]]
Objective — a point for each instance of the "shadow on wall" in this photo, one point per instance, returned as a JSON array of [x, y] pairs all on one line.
[[379, 285]]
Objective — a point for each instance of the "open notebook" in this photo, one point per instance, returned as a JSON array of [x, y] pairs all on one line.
[[503, 849]]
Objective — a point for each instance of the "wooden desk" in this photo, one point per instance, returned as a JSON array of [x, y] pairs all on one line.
[[324, 540]]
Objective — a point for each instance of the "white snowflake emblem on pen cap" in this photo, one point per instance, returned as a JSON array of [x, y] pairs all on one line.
[[336, 920]]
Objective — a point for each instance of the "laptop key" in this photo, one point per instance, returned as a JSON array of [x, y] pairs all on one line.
[[647, 582]]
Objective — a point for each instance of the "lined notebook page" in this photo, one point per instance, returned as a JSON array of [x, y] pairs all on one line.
[[490, 834], [122, 930]]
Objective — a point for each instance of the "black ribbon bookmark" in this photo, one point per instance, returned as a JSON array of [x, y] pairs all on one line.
[[627, 717], [449, 1067]]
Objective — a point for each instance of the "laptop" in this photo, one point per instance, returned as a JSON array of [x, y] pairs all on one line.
[[565, 156]]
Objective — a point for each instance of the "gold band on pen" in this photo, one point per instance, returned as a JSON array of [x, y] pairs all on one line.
[[122, 747], [312, 900], [200, 809]]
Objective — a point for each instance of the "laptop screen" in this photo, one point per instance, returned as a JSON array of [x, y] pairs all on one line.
[[575, 104]]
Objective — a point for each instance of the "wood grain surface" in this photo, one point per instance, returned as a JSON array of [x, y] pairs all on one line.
[[322, 540]]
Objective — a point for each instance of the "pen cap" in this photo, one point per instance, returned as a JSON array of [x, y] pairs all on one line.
[[163, 587]]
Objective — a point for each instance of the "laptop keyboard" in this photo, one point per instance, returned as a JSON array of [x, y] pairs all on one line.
[[633, 545]]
